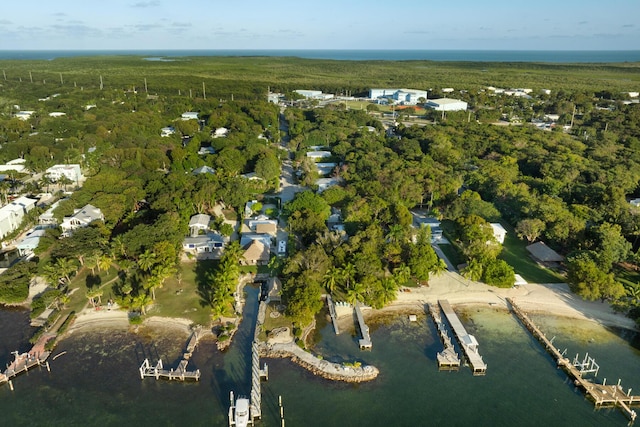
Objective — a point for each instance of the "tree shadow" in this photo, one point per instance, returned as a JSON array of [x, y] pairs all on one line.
[[93, 280]]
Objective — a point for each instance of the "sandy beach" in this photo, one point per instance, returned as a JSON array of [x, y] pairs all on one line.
[[551, 298]]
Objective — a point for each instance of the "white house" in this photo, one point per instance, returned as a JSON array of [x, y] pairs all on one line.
[[57, 114], [205, 243], [17, 165], [80, 218], [446, 104], [203, 169], [167, 131], [71, 172], [317, 155], [635, 202], [324, 183], [498, 231], [198, 223], [262, 225], [220, 132], [24, 115], [47, 218], [189, 115]]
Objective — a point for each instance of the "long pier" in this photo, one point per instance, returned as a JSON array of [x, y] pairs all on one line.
[[365, 341], [448, 359], [602, 395], [467, 342], [181, 373]]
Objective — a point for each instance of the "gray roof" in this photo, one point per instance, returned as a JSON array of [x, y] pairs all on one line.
[[543, 253], [200, 220]]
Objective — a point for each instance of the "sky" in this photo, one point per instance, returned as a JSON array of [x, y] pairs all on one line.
[[322, 24]]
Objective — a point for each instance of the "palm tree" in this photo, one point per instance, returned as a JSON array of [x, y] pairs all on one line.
[[402, 274], [147, 260], [396, 233], [141, 301], [331, 278], [118, 246], [389, 289], [92, 294], [104, 262], [92, 262], [439, 267], [348, 274]]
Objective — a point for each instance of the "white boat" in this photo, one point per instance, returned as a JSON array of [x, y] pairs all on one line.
[[239, 412]]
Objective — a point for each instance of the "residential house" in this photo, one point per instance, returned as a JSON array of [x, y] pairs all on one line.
[[57, 114], [71, 172], [24, 115], [203, 244], [220, 132], [255, 253], [167, 131], [317, 155], [263, 225], [199, 223], [11, 215], [47, 218], [189, 115], [324, 183], [248, 208], [203, 169], [17, 165], [30, 242], [80, 218]]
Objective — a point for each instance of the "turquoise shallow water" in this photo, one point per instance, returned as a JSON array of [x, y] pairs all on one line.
[[96, 381]]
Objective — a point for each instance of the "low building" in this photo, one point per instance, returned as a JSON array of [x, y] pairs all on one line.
[[220, 132], [80, 218], [189, 115], [446, 104], [30, 242], [203, 169], [317, 155], [24, 115], [263, 226], [199, 224], [11, 215], [498, 232], [544, 254], [402, 96], [72, 172], [167, 131], [17, 165], [255, 253], [324, 183], [635, 202], [57, 114], [204, 244], [47, 218]]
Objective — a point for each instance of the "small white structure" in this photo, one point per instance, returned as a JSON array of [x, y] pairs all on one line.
[[57, 114], [635, 202], [317, 155], [206, 150], [446, 104], [24, 115], [220, 132], [314, 94], [403, 96], [80, 218], [498, 231], [324, 183], [47, 217], [248, 208], [71, 172], [167, 131], [198, 223], [189, 115]]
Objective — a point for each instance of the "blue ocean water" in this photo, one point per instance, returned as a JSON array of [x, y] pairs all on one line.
[[553, 56]]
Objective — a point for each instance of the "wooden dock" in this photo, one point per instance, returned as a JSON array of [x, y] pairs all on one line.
[[181, 373], [602, 395], [448, 359], [467, 342], [332, 312], [37, 356], [365, 341]]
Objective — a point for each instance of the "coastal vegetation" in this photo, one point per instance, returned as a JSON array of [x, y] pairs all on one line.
[[568, 188]]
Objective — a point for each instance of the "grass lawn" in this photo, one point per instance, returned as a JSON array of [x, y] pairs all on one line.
[[179, 298], [271, 323], [515, 253], [85, 280], [452, 254]]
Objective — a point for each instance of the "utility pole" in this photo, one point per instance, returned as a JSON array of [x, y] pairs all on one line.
[[5, 75], [573, 115], [204, 91], [145, 85], [61, 81], [101, 83], [30, 77]]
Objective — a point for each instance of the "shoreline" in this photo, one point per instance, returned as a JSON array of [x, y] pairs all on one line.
[[553, 299]]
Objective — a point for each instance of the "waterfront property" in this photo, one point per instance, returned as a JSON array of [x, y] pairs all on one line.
[[181, 372], [448, 359], [467, 342]]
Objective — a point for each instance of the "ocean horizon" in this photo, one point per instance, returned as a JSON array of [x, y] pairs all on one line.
[[550, 56]]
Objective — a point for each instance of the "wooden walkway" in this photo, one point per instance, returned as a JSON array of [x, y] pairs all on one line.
[[365, 341], [467, 342], [448, 359], [602, 395], [25, 361], [332, 312], [181, 373]]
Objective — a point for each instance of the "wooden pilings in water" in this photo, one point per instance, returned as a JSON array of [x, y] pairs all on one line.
[[467, 342], [602, 395], [448, 359]]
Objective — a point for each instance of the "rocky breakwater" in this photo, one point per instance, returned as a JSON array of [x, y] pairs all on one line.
[[319, 367]]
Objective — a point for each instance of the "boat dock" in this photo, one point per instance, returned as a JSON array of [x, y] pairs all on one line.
[[365, 341], [467, 342], [181, 372], [602, 395], [332, 312], [37, 356], [448, 359]]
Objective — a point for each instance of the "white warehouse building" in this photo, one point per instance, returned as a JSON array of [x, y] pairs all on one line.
[[447, 104], [404, 96]]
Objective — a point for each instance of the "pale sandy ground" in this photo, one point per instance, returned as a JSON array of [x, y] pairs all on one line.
[[555, 299], [90, 318]]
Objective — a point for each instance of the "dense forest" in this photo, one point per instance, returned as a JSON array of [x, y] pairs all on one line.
[[569, 188]]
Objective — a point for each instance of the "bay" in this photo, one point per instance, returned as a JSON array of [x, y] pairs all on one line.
[[97, 383], [549, 56]]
